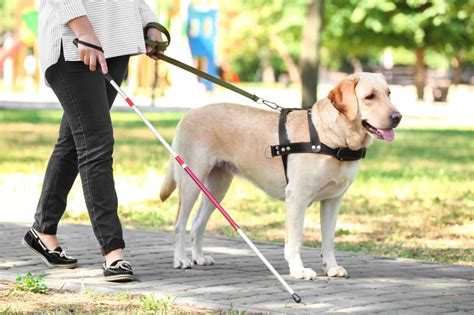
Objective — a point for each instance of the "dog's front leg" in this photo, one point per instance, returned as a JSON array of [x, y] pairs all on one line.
[[329, 211], [295, 210]]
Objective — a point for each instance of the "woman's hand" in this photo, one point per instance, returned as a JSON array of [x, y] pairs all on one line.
[[154, 35], [90, 56]]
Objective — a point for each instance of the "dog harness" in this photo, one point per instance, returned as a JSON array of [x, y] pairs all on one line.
[[286, 148]]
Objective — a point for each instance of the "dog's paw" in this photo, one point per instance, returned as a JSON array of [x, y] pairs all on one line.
[[204, 260], [183, 263], [303, 273], [337, 271]]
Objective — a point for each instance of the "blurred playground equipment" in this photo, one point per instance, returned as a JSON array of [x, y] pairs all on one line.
[[193, 25]]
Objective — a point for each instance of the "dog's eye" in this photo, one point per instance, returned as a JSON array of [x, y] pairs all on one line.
[[370, 97], [389, 92]]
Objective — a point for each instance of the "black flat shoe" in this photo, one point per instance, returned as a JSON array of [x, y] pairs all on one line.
[[53, 258], [118, 271]]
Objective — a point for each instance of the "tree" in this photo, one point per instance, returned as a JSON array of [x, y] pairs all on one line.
[[310, 52], [362, 27], [353, 30], [453, 34], [276, 30], [261, 29], [7, 17]]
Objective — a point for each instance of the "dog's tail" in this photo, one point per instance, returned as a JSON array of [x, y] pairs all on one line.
[[169, 183]]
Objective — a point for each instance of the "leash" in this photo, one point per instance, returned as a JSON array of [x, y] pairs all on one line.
[[158, 47]]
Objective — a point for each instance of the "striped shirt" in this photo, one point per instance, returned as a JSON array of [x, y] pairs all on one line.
[[118, 25]]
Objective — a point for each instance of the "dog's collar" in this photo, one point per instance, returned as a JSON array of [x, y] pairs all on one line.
[[314, 146]]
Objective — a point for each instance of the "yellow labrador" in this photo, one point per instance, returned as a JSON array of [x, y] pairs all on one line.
[[222, 140]]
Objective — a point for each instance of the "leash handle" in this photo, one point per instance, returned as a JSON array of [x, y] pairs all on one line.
[[156, 45]]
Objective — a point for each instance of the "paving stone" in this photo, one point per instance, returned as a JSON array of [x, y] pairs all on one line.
[[240, 282], [432, 310], [366, 309]]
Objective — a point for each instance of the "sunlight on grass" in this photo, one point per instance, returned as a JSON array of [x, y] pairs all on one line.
[[29, 136], [413, 198]]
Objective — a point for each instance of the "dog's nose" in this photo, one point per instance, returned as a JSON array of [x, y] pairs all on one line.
[[396, 117]]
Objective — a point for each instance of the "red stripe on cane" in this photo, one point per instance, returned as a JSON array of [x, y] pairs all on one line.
[[208, 193], [211, 197], [179, 160], [129, 101]]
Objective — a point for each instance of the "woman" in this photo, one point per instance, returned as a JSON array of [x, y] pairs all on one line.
[[109, 33]]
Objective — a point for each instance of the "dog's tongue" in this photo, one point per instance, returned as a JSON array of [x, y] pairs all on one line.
[[387, 134]]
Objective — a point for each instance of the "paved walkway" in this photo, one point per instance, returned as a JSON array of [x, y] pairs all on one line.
[[240, 282]]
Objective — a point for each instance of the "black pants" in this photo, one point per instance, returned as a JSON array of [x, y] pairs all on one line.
[[85, 144]]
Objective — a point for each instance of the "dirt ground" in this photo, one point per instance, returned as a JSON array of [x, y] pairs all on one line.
[[14, 301]]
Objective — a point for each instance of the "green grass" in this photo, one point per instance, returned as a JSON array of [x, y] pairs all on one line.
[[413, 198], [28, 138], [157, 305], [31, 283]]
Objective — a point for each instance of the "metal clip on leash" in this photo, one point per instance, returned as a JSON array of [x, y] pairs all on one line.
[[161, 46], [272, 105]]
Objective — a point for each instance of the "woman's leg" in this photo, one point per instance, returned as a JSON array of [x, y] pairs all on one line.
[[86, 128], [60, 175]]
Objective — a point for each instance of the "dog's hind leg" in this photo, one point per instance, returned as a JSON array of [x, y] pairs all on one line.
[[217, 183], [188, 194]]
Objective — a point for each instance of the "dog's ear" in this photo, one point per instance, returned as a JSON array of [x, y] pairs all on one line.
[[344, 98]]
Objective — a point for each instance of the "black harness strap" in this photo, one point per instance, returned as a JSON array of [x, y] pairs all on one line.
[[313, 134], [283, 137], [314, 146]]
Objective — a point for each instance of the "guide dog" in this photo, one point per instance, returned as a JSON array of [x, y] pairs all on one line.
[[222, 140]]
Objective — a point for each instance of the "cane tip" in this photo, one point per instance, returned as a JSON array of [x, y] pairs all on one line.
[[296, 297]]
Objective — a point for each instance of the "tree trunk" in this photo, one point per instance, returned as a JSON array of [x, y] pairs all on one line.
[[420, 73], [290, 64], [268, 74], [357, 65], [457, 63], [309, 63]]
